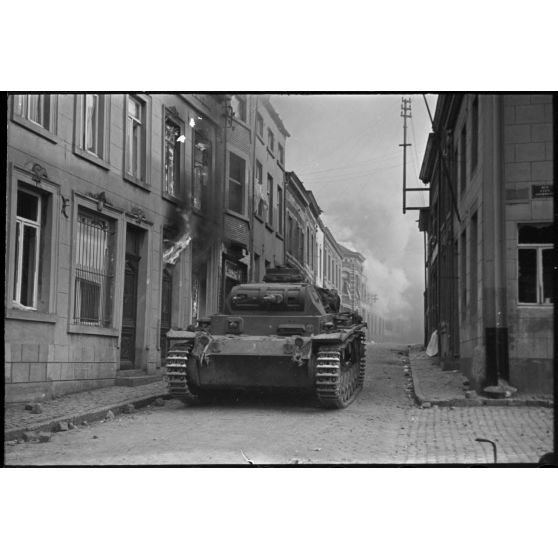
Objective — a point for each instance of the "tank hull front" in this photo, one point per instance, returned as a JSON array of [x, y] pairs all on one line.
[[252, 362]]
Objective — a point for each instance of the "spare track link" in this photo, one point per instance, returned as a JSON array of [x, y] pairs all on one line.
[[337, 386], [177, 374]]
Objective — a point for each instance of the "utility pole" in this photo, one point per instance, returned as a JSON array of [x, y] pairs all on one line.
[[405, 113]]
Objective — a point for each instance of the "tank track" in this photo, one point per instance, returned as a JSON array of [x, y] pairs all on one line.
[[177, 374], [338, 384]]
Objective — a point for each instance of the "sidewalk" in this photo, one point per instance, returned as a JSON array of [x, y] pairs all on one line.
[[76, 408], [449, 388]]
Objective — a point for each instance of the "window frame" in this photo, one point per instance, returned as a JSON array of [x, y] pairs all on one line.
[[463, 159], [280, 210], [260, 126], [280, 154], [269, 195], [49, 132], [171, 115], [242, 213], [90, 205], [101, 159], [145, 102], [242, 101], [539, 248], [48, 246], [270, 141], [209, 133]]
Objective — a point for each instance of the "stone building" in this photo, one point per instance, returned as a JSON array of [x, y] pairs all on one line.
[[489, 164], [104, 195], [332, 262], [303, 224]]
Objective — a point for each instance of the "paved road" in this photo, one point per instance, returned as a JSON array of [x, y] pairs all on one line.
[[382, 426]]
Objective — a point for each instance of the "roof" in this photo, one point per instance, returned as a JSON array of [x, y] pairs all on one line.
[[346, 253]]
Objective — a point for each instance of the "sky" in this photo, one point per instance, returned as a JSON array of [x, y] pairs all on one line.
[[345, 149]]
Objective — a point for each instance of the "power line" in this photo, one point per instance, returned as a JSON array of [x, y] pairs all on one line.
[[368, 161]]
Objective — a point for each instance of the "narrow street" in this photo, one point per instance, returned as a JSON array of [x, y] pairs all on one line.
[[383, 425]]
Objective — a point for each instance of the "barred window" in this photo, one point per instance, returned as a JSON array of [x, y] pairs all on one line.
[[94, 278]]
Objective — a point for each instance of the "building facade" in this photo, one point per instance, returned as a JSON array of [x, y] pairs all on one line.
[[303, 225], [489, 164], [100, 193]]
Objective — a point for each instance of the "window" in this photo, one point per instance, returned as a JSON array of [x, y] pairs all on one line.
[[259, 125], [172, 151], [202, 169], [535, 267], [237, 169], [91, 132], [29, 222], [35, 108], [260, 208], [463, 157], [137, 138], [281, 153], [475, 133], [36, 112], [94, 277], [238, 103], [93, 113], [290, 233], [270, 140], [279, 210], [269, 199]]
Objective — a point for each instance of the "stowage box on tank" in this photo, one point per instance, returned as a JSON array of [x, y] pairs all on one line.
[[281, 333]]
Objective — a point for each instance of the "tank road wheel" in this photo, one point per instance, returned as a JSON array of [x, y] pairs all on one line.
[[177, 374], [338, 374]]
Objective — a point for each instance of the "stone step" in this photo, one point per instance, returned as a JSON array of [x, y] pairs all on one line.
[[137, 379]]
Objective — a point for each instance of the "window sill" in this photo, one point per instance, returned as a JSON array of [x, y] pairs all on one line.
[[233, 213], [535, 305], [137, 182], [93, 330], [260, 219], [261, 139], [30, 315], [84, 154], [170, 198], [281, 165], [242, 123], [269, 227], [270, 152], [279, 235], [35, 128]]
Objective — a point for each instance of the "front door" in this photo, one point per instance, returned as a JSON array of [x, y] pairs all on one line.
[[130, 300], [129, 313], [166, 311]]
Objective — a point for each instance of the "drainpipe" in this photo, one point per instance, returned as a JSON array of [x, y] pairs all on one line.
[[496, 332], [251, 207]]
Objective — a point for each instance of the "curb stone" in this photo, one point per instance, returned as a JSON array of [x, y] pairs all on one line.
[[421, 399], [88, 416]]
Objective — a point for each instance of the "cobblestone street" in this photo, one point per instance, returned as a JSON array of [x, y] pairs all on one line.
[[384, 425]]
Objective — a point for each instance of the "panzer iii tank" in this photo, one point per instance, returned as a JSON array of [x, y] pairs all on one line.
[[282, 333]]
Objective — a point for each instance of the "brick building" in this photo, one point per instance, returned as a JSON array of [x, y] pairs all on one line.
[[489, 164], [98, 190]]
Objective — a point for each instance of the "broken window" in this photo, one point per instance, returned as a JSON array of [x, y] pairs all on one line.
[[202, 165], [171, 181], [535, 264]]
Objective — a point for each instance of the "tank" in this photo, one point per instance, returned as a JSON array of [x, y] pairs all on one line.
[[281, 333]]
